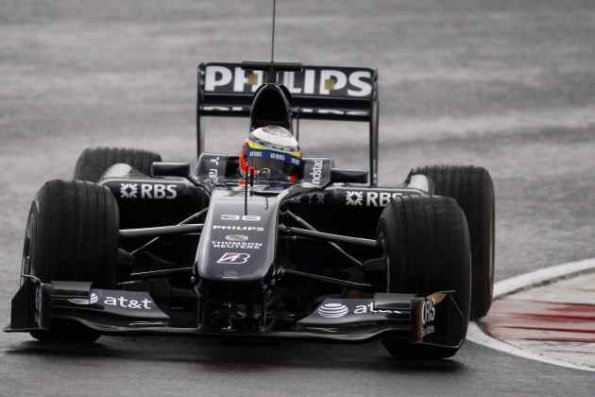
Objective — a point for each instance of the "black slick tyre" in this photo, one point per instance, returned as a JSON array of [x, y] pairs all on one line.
[[426, 244], [72, 235], [473, 188], [93, 162]]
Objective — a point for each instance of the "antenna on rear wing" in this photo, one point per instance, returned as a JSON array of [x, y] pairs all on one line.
[[271, 68], [271, 77]]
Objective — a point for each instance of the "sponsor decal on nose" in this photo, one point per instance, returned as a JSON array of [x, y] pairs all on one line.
[[238, 258], [248, 218], [236, 245], [237, 237], [239, 228]]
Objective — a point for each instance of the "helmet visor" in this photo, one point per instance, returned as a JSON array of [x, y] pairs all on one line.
[[273, 165]]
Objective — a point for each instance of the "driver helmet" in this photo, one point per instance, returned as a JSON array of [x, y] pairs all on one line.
[[273, 153]]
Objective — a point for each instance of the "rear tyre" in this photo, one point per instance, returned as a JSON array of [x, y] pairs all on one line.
[[93, 162], [72, 235], [473, 189], [426, 244]]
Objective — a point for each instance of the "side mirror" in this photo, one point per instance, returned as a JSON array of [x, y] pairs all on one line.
[[349, 176]]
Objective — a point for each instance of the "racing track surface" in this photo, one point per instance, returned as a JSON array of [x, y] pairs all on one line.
[[509, 85]]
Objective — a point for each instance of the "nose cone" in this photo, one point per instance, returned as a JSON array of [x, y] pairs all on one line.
[[271, 106]]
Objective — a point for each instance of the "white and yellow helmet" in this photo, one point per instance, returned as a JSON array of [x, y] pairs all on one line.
[[273, 151]]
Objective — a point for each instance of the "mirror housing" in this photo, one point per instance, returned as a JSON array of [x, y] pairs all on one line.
[[349, 176], [170, 169]]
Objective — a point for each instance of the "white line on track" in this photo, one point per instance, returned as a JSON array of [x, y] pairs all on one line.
[[525, 281]]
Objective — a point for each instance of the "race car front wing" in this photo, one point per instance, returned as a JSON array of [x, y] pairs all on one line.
[[407, 316]]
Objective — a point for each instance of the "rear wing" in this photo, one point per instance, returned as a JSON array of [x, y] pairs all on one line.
[[317, 93]]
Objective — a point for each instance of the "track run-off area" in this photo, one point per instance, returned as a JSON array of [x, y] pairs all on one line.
[[547, 315]]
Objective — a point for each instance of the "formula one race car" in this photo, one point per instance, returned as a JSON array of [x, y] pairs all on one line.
[[264, 244]]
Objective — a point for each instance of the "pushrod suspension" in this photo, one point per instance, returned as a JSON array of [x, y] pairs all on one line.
[[160, 231], [366, 242]]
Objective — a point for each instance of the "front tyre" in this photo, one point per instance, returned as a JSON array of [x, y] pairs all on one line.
[[426, 245], [71, 235]]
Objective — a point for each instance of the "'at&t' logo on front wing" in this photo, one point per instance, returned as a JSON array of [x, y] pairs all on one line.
[[120, 302], [335, 310]]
